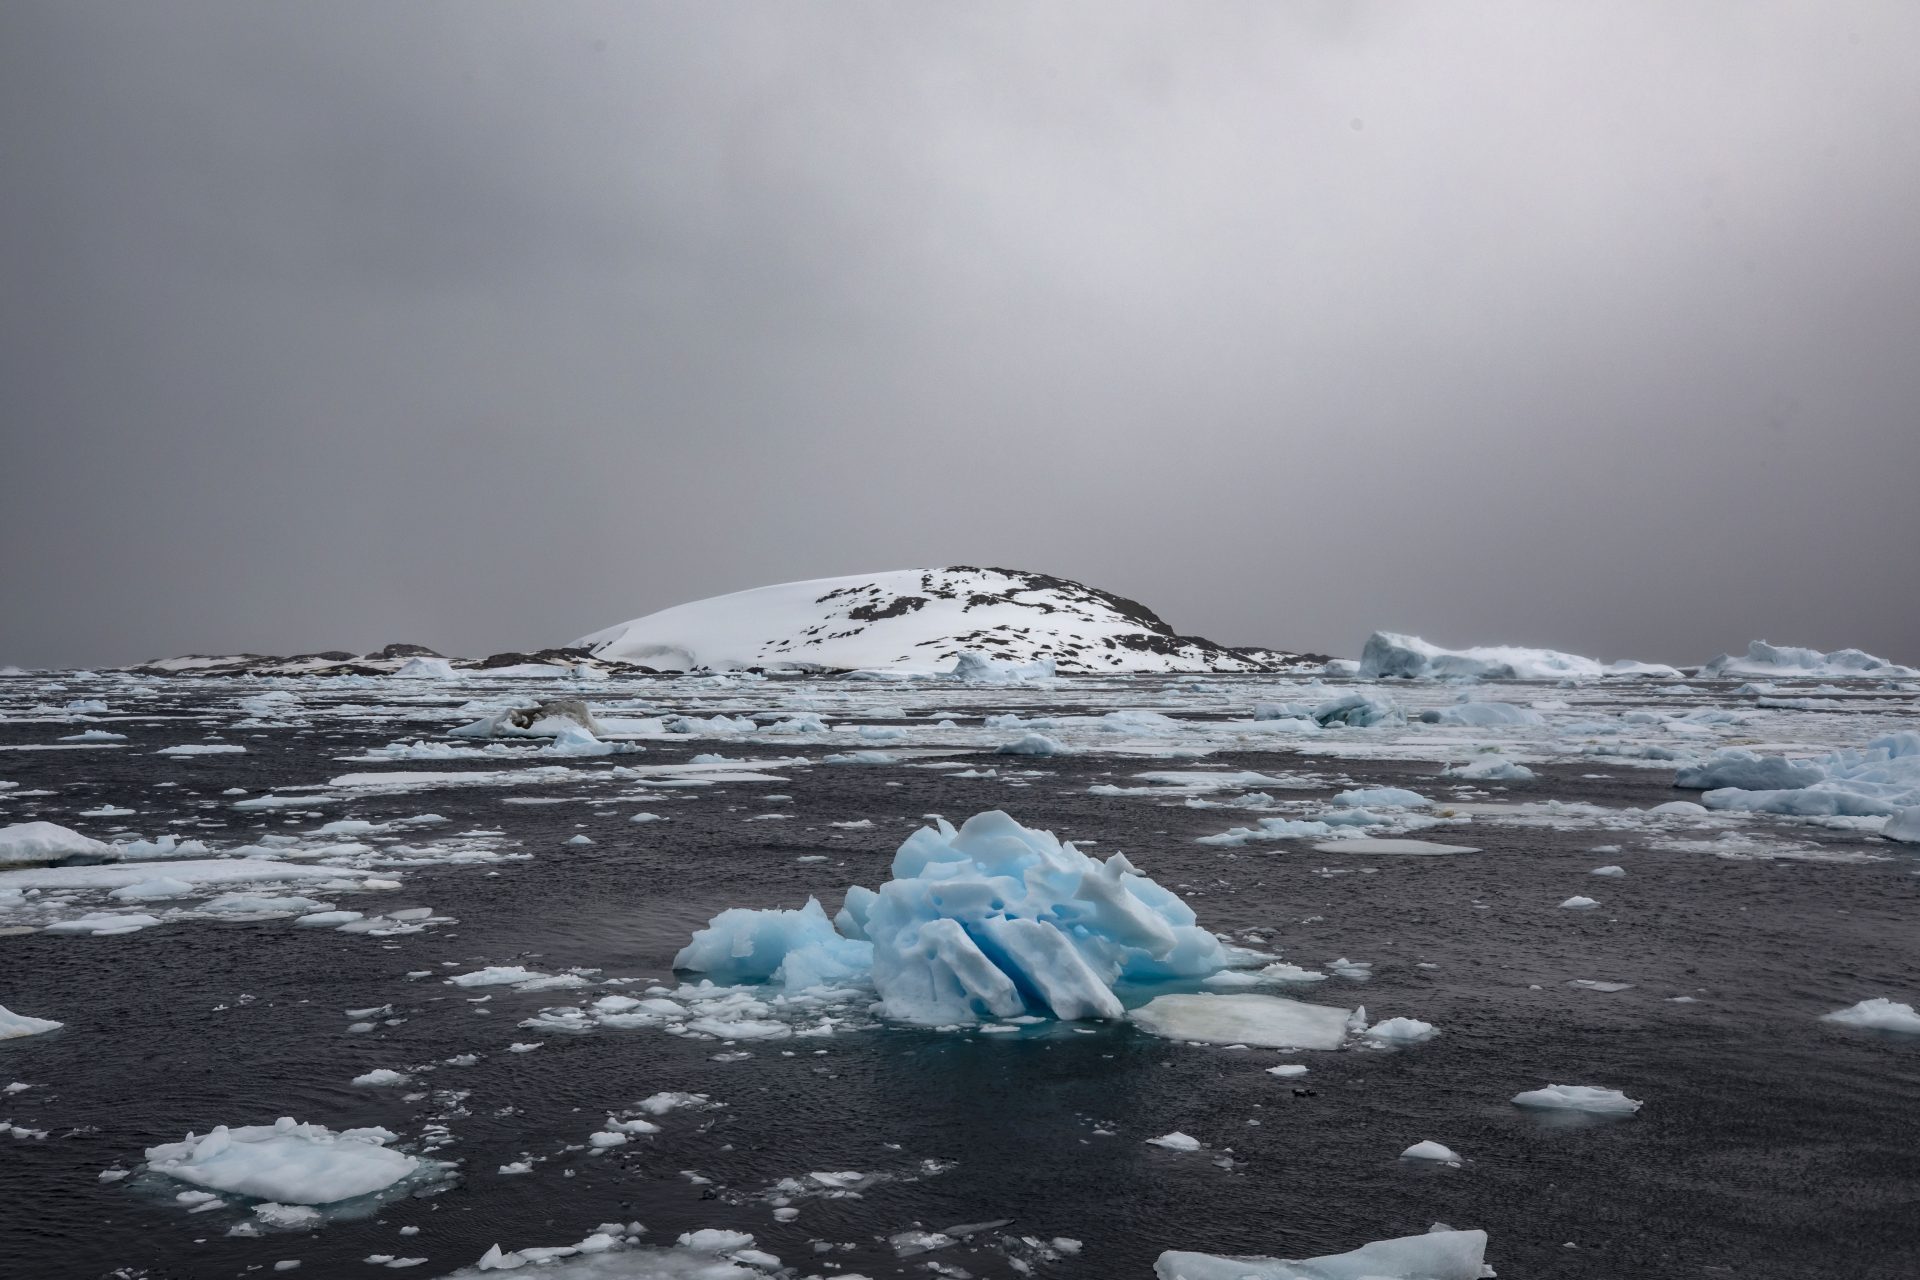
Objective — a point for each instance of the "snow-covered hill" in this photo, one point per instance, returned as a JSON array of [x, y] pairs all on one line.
[[919, 620]]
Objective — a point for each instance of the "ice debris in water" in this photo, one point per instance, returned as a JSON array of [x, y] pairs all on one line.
[[993, 920], [1431, 1150], [1882, 780], [1482, 715], [1441, 1254], [1577, 1097], [1877, 1014], [45, 842], [1488, 768], [1267, 1022], [286, 1162], [19, 1024], [1175, 1141]]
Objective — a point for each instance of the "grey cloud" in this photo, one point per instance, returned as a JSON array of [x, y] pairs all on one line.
[[323, 325]]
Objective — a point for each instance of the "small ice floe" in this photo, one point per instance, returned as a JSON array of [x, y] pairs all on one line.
[[1033, 744], [1267, 1022], [1482, 715], [1175, 1141], [1877, 1014], [1287, 1071], [202, 749], [286, 1162], [1441, 1254], [46, 842], [382, 1078], [1577, 1097], [1580, 903], [1368, 844], [13, 1025], [1401, 1031], [1592, 984], [1381, 798], [1488, 768], [1431, 1150], [1608, 871]]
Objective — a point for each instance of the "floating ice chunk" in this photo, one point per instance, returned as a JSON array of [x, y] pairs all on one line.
[[1738, 767], [197, 871], [100, 924], [1359, 709], [328, 919], [202, 749], [1381, 797], [94, 735], [861, 757], [1904, 826], [156, 887], [1267, 1022], [1370, 844], [1431, 1150], [993, 920], [977, 668], [1877, 1014], [1401, 1031], [1482, 715], [381, 1078], [1410, 657], [1580, 903], [1489, 768], [1763, 659], [744, 945], [46, 842], [499, 975], [1608, 871], [14, 1024], [1033, 744], [1577, 1097], [1287, 1071], [286, 1162], [1438, 1255], [1175, 1141]]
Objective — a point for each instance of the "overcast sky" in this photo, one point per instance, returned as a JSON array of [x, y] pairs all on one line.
[[328, 324]]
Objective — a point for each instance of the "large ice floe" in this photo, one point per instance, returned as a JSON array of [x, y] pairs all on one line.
[[1763, 659], [1410, 657], [1441, 1254], [29, 843], [286, 1162], [1881, 780], [993, 920]]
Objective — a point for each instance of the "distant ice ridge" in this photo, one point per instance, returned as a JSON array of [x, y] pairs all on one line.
[[920, 622], [993, 920], [1441, 1254], [1410, 657], [1763, 659], [1881, 780]]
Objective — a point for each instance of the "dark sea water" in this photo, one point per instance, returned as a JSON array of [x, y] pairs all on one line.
[[1771, 1145]]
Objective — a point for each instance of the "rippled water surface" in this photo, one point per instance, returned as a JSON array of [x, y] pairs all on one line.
[[1771, 1144]]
